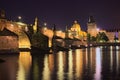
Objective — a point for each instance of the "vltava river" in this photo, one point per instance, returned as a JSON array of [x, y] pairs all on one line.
[[101, 63]]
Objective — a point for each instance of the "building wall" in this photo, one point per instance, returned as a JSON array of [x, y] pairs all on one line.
[[111, 35], [92, 29], [77, 32], [8, 42], [119, 35]]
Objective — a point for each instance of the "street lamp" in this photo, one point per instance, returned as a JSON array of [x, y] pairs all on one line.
[[19, 17]]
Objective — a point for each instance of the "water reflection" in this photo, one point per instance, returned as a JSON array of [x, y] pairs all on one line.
[[110, 63], [101, 63], [70, 65], [46, 71], [111, 57], [37, 67], [24, 65], [89, 67], [60, 72], [98, 64], [8, 69], [79, 64]]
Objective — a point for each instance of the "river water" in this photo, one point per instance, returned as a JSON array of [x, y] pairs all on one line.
[[100, 63]]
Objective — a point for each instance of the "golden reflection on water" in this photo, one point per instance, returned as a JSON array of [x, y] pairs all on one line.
[[60, 72], [46, 70], [79, 64], [101, 63], [89, 63], [86, 56], [24, 65], [70, 64], [51, 62]]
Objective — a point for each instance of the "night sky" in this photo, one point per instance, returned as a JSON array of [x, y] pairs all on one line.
[[64, 12]]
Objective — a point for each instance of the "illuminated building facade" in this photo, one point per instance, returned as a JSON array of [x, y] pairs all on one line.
[[111, 34], [76, 31]]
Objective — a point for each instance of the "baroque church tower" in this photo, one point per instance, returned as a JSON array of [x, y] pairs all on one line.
[[92, 26]]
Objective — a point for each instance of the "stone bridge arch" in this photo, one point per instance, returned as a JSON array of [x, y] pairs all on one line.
[[23, 39]]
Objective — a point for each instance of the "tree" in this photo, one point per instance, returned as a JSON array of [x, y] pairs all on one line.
[[88, 37], [102, 37], [93, 39], [105, 38]]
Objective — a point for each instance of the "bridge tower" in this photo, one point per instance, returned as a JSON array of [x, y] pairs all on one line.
[[92, 26]]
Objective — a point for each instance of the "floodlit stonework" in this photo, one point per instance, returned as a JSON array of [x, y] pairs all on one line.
[[8, 40], [92, 27], [76, 31], [16, 28]]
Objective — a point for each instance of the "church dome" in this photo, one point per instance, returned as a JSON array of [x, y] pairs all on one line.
[[76, 26]]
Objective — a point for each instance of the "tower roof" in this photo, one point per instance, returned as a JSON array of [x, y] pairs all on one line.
[[91, 19]]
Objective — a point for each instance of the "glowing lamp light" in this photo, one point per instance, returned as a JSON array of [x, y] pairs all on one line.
[[45, 24], [19, 17], [45, 28], [98, 29]]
